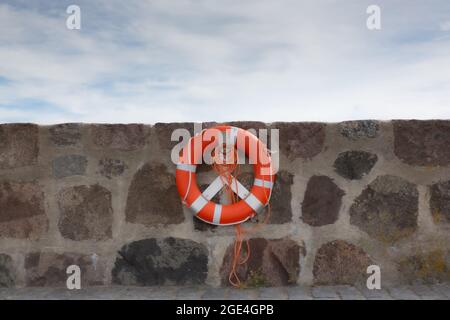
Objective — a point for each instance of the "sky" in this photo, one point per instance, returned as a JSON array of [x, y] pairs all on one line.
[[221, 60]]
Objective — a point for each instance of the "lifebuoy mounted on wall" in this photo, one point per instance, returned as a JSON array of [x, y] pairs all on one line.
[[252, 201]]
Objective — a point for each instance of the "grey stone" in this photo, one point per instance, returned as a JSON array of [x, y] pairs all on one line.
[[375, 294], [85, 212], [48, 269], [349, 293], [340, 262], [124, 137], [242, 294], [151, 293], [359, 129], [66, 134], [271, 263], [7, 271], [443, 289], [422, 143], [274, 293], [18, 145], [403, 293], [387, 209], [111, 168], [322, 201], [353, 165], [440, 202], [22, 210], [215, 294], [299, 293], [168, 261], [70, 165], [189, 293], [426, 293], [325, 292], [172, 292], [153, 197]]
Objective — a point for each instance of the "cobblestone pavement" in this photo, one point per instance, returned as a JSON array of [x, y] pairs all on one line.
[[419, 292]]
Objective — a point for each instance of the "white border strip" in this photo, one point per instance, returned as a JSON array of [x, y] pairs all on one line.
[[187, 167], [263, 183], [217, 214], [241, 191], [198, 204], [213, 188], [254, 202]]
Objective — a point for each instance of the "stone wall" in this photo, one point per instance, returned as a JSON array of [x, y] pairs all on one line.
[[103, 197]]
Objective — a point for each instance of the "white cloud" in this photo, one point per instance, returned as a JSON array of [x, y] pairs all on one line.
[[445, 26], [223, 60]]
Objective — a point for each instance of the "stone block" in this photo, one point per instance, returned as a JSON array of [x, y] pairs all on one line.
[[271, 263], [153, 197], [167, 261], [85, 213], [422, 143], [69, 165], [18, 145], [322, 201], [339, 263], [387, 209], [22, 210]]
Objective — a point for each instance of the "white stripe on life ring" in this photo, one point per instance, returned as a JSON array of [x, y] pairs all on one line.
[[263, 183], [187, 167], [213, 188], [217, 214], [253, 202], [241, 191], [198, 204]]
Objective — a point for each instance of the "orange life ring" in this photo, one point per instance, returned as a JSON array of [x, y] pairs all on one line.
[[251, 201]]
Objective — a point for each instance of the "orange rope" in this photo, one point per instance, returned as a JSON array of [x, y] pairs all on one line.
[[226, 172]]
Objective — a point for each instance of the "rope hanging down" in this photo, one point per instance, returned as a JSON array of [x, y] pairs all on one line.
[[227, 172]]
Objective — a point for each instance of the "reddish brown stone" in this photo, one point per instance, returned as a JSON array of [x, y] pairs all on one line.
[[22, 213], [422, 143], [48, 269], [271, 263], [339, 262], [65, 134], [153, 197], [164, 133], [18, 145], [304, 140], [85, 213], [387, 209], [440, 202], [125, 137], [322, 201]]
